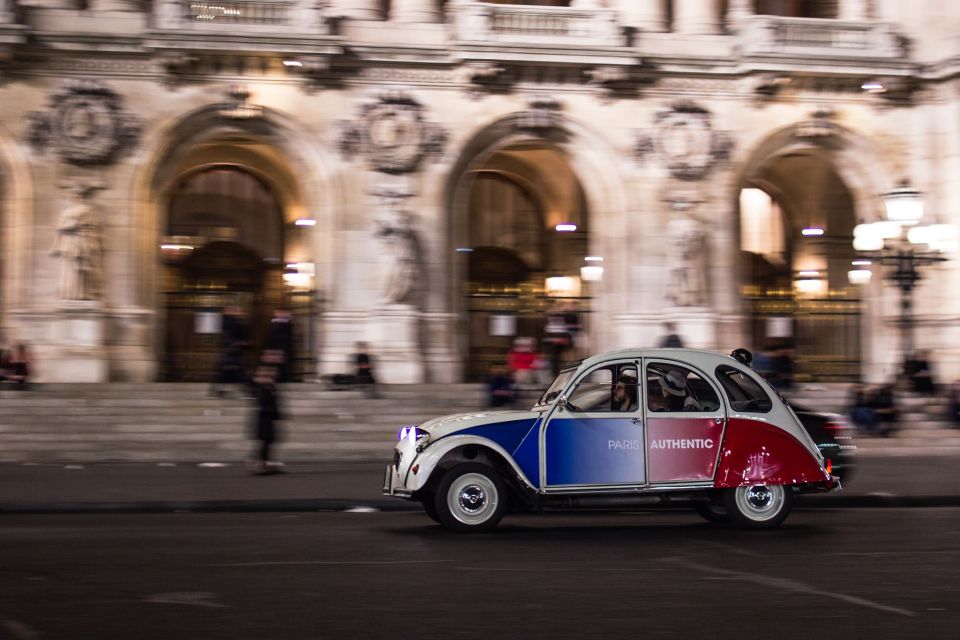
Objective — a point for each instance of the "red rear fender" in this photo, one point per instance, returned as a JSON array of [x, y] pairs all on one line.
[[755, 452]]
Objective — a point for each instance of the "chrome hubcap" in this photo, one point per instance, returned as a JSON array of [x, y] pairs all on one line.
[[760, 502], [472, 498]]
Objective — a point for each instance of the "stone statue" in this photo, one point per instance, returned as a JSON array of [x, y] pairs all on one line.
[[685, 261], [401, 255], [79, 245]]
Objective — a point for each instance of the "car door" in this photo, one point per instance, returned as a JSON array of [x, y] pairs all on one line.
[[594, 437], [685, 420]]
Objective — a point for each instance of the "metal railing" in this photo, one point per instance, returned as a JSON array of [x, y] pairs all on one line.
[[238, 12]]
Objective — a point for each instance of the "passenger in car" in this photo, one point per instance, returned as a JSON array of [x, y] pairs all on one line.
[[673, 394]]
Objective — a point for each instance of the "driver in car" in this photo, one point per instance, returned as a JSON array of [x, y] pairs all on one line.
[[625, 392]]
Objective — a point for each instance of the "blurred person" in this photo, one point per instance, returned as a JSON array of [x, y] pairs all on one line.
[[920, 374], [234, 338], [782, 367], [671, 339], [19, 366], [521, 361], [885, 410], [862, 409], [556, 339], [280, 339], [266, 413], [365, 369], [500, 387], [4, 364]]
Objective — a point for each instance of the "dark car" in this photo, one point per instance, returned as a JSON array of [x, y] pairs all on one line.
[[833, 435]]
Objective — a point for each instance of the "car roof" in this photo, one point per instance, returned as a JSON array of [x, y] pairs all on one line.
[[698, 357]]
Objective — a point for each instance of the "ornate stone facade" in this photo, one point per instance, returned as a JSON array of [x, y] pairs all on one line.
[[328, 104]]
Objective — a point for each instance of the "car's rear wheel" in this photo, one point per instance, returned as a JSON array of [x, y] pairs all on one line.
[[470, 497], [759, 506]]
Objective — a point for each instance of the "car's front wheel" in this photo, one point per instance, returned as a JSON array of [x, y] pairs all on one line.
[[470, 497], [759, 506]]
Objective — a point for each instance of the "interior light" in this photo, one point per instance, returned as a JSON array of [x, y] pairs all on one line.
[[292, 63], [861, 263], [859, 276], [566, 226], [176, 247], [873, 86], [812, 231], [464, 249], [808, 274], [591, 273], [305, 222], [593, 259]]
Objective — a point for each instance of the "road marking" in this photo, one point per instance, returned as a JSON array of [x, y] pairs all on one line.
[[192, 598], [18, 630], [294, 562], [788, 585]]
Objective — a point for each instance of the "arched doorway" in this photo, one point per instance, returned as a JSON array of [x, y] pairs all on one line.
[[524, 234], [223, 248], [796, 220]]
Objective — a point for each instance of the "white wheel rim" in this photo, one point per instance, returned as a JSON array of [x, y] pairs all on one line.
[[760, 502], [472, 498]]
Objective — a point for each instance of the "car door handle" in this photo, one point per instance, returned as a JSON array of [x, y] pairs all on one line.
[[636, 421], [718, 420]]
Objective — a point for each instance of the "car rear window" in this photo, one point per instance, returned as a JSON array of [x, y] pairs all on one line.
[[742, 391]]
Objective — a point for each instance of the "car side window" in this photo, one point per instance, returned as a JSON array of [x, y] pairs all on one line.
[[611, 388], [742, 391], [674, 388]]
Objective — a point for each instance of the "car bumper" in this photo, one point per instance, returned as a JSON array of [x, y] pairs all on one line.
[[393, 484]]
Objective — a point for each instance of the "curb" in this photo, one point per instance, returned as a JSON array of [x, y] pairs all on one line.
[[342, 505]]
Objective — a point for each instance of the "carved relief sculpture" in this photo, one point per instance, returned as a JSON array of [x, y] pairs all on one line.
[[401, 265], [685, 260], [86, 124], [686, 141], [392, 134], [79, 245]]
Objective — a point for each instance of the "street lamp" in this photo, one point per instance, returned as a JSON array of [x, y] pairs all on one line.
[[885, 243]]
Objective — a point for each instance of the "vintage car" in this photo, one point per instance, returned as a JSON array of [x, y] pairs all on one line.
[[625, 429]]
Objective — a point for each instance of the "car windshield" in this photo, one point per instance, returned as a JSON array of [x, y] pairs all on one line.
[[554, 389]]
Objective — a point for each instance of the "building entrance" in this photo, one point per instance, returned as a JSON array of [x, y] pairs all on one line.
[[525, 241], [223, 254], [796, 241]]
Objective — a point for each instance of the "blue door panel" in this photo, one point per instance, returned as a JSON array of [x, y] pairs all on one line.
[[594, 451]]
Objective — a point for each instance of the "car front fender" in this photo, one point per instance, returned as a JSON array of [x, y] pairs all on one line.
[[430, 458]]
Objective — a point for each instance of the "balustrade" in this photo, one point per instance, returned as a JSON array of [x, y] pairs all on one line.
[[537, 25], [806, 36]]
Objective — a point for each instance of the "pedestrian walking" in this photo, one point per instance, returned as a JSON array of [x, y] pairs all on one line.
[[266, 413], [671, 339], [280, 339]]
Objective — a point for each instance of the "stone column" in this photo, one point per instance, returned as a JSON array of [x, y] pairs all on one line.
[[414, 11], [737, 12], [357, 9], [853, 10], [695, 17], [6, 11], [646, 15]]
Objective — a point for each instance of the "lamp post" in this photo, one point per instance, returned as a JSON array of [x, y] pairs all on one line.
[[903, 246]]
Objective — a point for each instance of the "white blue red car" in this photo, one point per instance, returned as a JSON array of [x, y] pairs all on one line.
[[625, 429]]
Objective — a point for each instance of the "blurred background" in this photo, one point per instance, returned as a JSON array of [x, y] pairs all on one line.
[[476, 190]]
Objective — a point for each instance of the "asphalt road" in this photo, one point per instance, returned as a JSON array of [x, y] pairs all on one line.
[[830, 573]]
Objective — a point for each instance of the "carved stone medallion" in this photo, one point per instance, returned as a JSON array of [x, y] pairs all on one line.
[[86, 124], [392, 134], [686, 141]]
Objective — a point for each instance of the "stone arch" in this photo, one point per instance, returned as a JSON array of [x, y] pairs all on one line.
[[16, 236], [272, 147], [592, 160], [861, 166]]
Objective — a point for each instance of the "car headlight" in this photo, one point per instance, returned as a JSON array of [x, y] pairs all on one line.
[[414, 434]]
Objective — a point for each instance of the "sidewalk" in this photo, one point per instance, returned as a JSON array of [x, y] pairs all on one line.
[[146, 488]]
